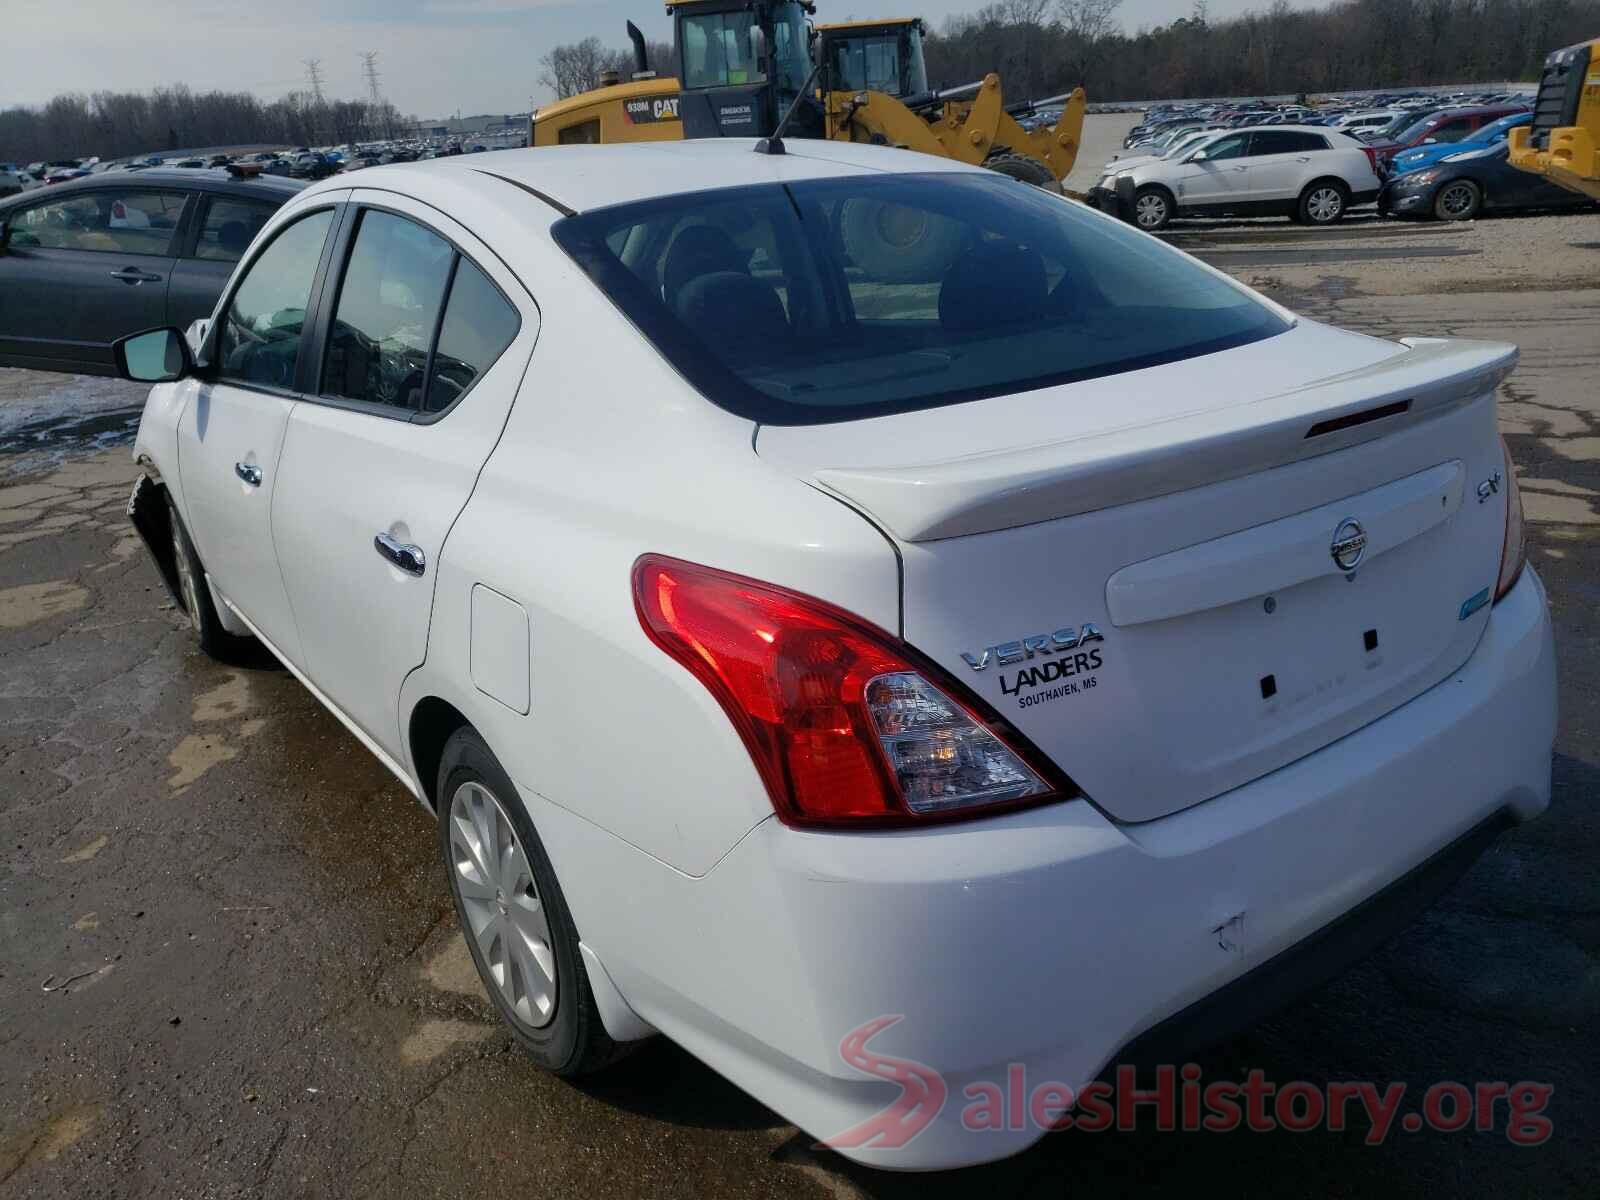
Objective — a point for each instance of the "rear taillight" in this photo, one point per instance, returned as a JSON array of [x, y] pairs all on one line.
[[1514, 550], [847, 725], [1372, 158]]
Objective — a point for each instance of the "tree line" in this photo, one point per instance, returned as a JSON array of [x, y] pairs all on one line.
[[120, 124], [1046, 47]]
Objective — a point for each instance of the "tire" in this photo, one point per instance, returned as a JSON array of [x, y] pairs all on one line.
[[1152, 208], [895, 244], [1028, 170], [482, 818], [1323, 203], [214, 640], [1458, 200]]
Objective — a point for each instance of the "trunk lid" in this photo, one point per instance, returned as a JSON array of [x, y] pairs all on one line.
[[1139, 572]]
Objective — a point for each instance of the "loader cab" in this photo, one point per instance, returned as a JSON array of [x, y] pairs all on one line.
[[741, 63], [874, 56]]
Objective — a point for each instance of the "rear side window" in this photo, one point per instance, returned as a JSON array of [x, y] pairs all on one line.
[[416, 323], [831, 300], [479, 323], [1453, 131], [259, 342], [114, 221], [1285, 141], [229, 226], [389, 305]]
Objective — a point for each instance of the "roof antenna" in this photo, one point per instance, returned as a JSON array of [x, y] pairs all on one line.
[[774, 144]]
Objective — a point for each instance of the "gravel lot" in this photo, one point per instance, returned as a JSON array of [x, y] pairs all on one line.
[[228, 964]]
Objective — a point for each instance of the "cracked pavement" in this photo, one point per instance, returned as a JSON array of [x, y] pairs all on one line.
[[229, 965]]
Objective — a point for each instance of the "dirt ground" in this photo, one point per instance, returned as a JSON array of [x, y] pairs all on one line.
[[229, 967]]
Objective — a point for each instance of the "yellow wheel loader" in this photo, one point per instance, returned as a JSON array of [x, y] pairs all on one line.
[[745, 64], [1563, 142]]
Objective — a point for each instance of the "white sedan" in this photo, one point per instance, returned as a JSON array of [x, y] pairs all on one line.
[[875, 623]]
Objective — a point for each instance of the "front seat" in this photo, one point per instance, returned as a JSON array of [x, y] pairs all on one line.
[[742, 314], [991, 286], [696, 251], [234, 238]]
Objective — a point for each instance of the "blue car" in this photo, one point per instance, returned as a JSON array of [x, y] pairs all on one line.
[[1429, 153]]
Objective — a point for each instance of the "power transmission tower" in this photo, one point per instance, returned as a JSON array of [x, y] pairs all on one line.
[[369, 68], [314, 78]]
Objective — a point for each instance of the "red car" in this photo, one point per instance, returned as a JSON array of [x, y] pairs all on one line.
[[1443, 125]]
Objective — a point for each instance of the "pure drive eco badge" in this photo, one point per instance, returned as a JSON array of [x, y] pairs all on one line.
[[1048, 666]]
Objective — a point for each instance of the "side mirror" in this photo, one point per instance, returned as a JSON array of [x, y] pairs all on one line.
[[1198, 156], [154, 356], [758, 46], [1429, 141]]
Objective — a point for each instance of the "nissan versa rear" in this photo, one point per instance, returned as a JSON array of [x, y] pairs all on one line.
[[850, 610]]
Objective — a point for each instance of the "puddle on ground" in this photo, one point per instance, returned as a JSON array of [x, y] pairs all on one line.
[[196, 755], [34, 602]]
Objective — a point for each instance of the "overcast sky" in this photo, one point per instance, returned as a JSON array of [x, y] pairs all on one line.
[[434, 56]]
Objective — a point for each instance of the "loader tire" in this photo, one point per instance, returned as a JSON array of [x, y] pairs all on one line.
[[1028, 170], [895, 244]]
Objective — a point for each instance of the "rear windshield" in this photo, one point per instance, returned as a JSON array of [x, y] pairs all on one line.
[[833, 300]]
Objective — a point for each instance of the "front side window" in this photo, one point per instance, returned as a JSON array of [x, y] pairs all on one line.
[[262, 328], [113, 221], [229, 227], [387, 311], [1232, 146], [837, 299]]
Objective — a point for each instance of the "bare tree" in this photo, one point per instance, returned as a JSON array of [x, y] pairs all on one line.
[[575, 67], [1088, 25], [1017, 12]]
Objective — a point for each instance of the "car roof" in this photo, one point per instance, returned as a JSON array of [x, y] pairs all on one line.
[[209, 179], [581, 178]]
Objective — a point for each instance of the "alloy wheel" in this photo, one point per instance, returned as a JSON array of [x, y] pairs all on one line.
[[505, 915], [1456, 200], [1324, 204], [1150, 212]]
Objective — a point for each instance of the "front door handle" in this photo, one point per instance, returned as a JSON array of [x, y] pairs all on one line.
[[407, 557], [1241, 168], [1303, 158], [135, 275], [248, 472]]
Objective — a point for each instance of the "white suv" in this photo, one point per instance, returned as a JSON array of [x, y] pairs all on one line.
[[1308, 172]]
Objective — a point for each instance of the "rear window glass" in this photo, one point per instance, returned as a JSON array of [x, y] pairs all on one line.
[[832, 300]]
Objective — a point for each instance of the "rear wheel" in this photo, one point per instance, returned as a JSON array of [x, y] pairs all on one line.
[[1323, 203], [513, 914], [1152, 208], [1028, 170], [1458, 200]]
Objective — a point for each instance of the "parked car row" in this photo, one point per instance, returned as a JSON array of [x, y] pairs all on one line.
[[1317, 173]]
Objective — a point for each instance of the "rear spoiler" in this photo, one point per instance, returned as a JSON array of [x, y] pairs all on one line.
[[1002, 490]]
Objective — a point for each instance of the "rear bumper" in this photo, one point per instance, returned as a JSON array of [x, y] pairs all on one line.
[[1054, 939]]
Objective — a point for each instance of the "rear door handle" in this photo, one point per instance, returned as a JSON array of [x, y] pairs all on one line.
[[1241, 168], [135, 275], [248, 472], [407, 557], [1303, 158]]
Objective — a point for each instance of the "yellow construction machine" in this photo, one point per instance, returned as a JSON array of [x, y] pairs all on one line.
[[745, 65], [1563, 142]]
